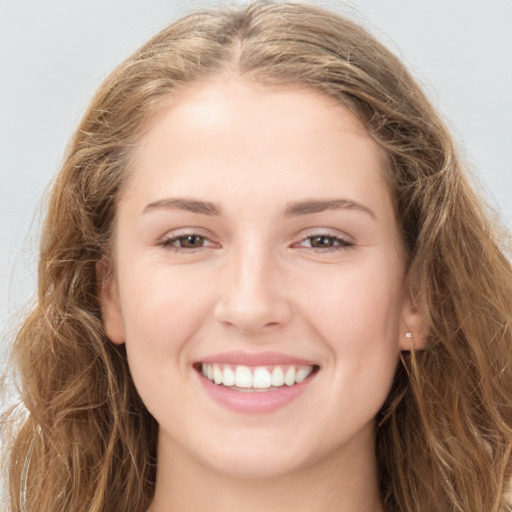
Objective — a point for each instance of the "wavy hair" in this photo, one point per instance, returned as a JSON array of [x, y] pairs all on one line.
[[444, 435]]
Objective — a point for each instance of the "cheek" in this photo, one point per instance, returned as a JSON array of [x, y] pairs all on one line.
[[356, 305], [162, 317], [358, 315], [162, 311]]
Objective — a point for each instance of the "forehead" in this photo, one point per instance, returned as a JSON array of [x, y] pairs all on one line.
[[237, 132], [228, 102]]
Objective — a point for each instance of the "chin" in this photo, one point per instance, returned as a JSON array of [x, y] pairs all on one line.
[[253, 460], [257, 468]]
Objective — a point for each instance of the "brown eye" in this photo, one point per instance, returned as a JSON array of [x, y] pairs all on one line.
[[190, 241], [184, 242], [322, 241]]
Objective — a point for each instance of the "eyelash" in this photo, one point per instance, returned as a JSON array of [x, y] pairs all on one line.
[[168, 243], [338, 243]]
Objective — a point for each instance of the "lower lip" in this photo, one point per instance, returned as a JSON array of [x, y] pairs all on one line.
[[254, 402]]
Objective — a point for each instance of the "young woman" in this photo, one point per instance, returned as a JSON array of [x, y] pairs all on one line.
[[265, 283]]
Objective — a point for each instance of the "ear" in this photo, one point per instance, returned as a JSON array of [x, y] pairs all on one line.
[[108, 296], [413, 332]]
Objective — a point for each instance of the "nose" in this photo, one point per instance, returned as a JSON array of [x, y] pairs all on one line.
[[253, 295]]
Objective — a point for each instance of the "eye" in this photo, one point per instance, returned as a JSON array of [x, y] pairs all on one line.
[[189, 241], [325, 242]]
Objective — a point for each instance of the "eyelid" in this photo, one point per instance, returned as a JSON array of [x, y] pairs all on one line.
[[346, 241], [187, 230], [171, 236]]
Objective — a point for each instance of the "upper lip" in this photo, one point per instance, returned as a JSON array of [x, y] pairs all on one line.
[[256, 359]]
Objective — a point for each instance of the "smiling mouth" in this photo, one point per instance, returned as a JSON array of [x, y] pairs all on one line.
[[256, 379]]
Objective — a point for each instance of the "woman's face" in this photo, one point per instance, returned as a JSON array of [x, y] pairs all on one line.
[[256, 243]]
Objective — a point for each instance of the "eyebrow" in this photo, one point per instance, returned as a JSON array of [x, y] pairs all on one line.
[[191, 205], [293, 209], [316, 206]]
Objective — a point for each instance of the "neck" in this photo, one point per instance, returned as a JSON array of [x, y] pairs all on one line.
[[328, 485]]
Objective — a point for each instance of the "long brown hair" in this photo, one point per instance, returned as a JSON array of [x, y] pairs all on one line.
[[444, 436]]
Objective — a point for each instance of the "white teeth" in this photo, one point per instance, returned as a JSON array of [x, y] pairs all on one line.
[[217, 374], [229, 376], [277, 377], [289, 376], [302, 373], [259, 378], [243, 377]]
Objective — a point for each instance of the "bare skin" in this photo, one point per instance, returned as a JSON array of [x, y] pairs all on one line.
[[327, 487], [257, 220]]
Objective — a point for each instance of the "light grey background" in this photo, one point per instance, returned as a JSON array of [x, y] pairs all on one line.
[[54, 53]]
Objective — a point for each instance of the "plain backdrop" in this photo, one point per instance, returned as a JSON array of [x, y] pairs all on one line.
[[54, 53]]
